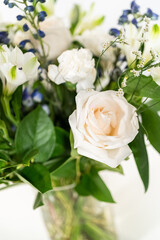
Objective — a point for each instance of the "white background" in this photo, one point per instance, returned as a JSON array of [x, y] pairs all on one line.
[[137, 214]]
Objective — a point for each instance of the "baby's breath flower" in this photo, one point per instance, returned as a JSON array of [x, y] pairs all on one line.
[[136, 73], [124, 82], [120, 93]]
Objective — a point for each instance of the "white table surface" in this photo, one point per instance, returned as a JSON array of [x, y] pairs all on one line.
[[137, 214]]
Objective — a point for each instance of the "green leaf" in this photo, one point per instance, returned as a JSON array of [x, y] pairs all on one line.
[[144, 86], [66, 170], [38, 176], [62, 146], [73, 150], [38, 201], [92, 184], [36, 131], [55, 163], [138, 148], [151, 123], [3, 163], [29, 156], [16, 102], [74, 17]]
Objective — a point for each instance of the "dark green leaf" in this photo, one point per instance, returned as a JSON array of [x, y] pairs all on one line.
[[66, 170], [17, 101], [38, 201], [62, 146], [36, 131], [38, 176], [146, 87], [92, 184], [151, 123], [55, 163], [138, 148], [29, 156]]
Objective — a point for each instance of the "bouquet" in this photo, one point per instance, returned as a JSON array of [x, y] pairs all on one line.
[[76, 99]]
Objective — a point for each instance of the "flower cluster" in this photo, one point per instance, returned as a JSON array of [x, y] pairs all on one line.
[[74, 99]]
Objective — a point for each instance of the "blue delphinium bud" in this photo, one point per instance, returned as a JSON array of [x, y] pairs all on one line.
[[6, 2], [25, 27], [134, 22], [11, 5], [33, 50], [114, 32], [123, 19], [151, 14], [126, 12], [20, 17], [41, 1], [4, 37], [29, 8], [37, 96], [26, 98], [41, 33], [23, 43], [134, 7], [41, 16]]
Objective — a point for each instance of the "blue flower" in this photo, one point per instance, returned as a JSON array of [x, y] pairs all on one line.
[[134, 7], [4, 37], [41, 1], [20, 17], [25, 27], [41, 33], [134, 21], [33, 50], [41, 16], [29, 8], [151, 14], [6, 2], [11, 5], [114, 32], [126, 12], [23, 43], [123, 19], [37, 96], [26, 98]]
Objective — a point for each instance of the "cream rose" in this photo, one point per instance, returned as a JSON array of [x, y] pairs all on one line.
[[103, 124], [75, 66]]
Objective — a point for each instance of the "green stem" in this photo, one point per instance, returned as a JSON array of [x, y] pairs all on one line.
[[6, 107]]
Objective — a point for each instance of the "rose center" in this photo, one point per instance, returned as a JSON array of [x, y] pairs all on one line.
[[106, 120]]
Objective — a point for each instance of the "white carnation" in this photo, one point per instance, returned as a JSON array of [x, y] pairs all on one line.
[[75, 66]]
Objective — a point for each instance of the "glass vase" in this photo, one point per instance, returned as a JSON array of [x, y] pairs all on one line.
[[69, 216]]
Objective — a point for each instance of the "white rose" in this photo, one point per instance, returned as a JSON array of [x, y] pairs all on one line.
[[75, 66], [155, 73], [103, 124], [57, 37]]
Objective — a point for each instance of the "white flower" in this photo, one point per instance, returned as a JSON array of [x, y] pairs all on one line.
[[95, 40], [16, 68], [75, 66], [134, 36], [155, 73], [103, 124], [57, 37]]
